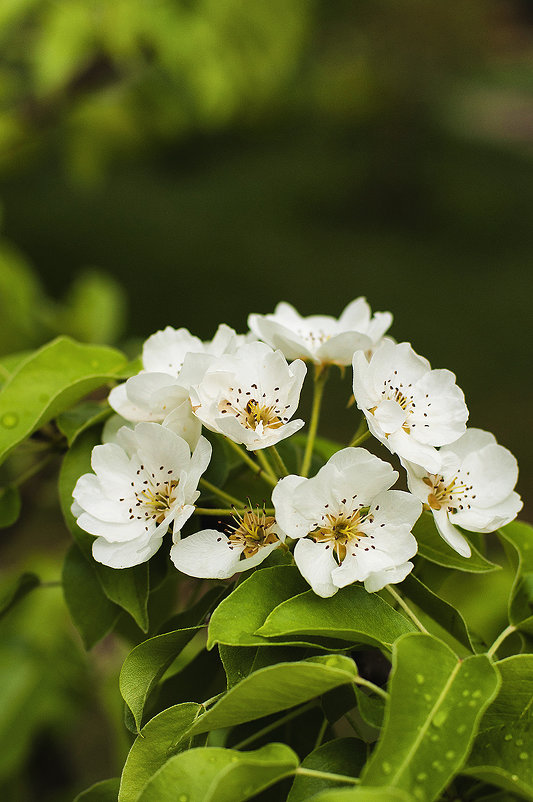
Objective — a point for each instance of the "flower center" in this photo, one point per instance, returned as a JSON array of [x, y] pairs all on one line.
[[154, 499], [253, 530], [340, 530], [254, 410], [446, 493]]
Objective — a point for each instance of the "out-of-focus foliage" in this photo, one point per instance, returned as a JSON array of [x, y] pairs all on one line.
[[114, 76], [92, 310]]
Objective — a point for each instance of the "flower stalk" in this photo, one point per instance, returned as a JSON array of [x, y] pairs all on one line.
[[320, 378]]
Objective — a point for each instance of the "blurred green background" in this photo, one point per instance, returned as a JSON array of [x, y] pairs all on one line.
[[187, 163]]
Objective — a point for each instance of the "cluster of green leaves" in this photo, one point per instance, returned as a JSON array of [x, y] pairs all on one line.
[[115, 75], [259, 689], [93, 310]]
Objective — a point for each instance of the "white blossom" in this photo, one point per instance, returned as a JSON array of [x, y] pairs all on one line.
[[473, 489], [142, 484], [408, 406], [250, 396], [211, 554], [160, 392], [322, 339], [350, 526]]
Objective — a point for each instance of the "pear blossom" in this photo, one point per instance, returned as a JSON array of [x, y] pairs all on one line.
[[408, 406], [143, 483], [211, 554], [350, 526], [473, 489], [322, 339], [160, 392], [250, 396]]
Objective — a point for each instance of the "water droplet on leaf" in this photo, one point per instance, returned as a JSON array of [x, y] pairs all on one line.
[[387, 768], [10, 420], [420, 679], [439, 718]]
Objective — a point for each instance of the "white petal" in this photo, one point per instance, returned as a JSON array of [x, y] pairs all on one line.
[[161, 450], [340, 348], [472, 440], [165, 350], [357, 471], [493, 473], [114, 532], [315, 562], [485, 520], [113, 467], [356, 315], [125, 555], [390, 416], [450, 534], [395, 507], [184, 423], [91, 498], [291, 521], [410, 449], [207, 555], [390, 576]]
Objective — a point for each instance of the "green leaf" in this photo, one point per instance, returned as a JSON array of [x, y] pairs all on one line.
[[20, 588], [92, 612], [158, 739], [9, 506], [352, 614], [439, 610], [210, 774], [60, 374], [75, 421], [361, 794], [127, 587], [104, 791], [435, 703], [520, 536], [342, 756], [146, 664], [503, 751], [436, 550], [237, 618], [276, 688], [239, 661], [515, 697], [9, 364], [502, 756]]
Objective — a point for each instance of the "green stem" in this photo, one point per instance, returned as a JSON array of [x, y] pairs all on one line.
[[500, 639], [361, 434], [278, 461], [327, 775], [403, 604], [230, 511], [254, 467], [34, 469], [321, 375], [321, 732], [267, 467], [275, 724], [372, 687], [221, 493], [213, 699]]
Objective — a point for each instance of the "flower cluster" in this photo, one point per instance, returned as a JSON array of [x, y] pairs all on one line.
[[344, 524]]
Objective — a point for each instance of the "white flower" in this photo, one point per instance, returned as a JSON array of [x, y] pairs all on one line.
[[211, 554], [250, 396], [350, 526], [321, 338], [473, 489], [141, 485], [165, 351], [409, 407], [160, 392]]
